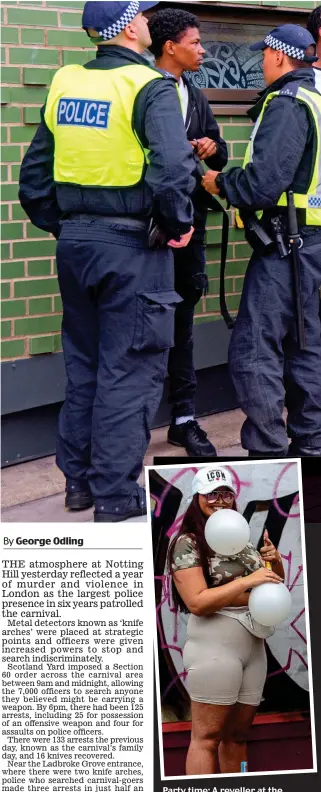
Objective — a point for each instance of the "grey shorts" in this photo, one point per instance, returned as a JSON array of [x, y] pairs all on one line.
[[225, 662]]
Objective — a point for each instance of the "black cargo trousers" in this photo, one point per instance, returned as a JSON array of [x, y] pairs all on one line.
[[267, 367], [118, 325]]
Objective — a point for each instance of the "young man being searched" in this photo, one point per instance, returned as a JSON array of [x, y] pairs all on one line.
[[177, 48]]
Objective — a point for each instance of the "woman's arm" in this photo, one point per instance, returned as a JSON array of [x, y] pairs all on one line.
[[277, 566], [203, 601], [241, 600]]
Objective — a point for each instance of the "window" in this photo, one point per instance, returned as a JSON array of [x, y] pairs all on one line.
[[229, 63]]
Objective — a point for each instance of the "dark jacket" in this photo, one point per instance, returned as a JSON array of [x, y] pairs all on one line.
[[200, 122], [168, 180], [283, 150]]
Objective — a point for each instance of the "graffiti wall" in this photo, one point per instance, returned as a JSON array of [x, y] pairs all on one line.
[[268, 497]]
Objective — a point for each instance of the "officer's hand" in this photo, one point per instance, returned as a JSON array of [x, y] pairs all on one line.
[[184, 240], [208, 182], [206, 147]]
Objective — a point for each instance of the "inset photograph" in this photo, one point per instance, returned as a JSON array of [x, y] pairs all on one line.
[[233, 660]]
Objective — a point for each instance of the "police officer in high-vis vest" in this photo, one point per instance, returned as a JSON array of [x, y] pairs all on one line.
[[109, 173], [275, 350]]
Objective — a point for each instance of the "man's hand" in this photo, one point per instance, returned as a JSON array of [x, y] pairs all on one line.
[[206, 147], [208, 182], [184, 240]]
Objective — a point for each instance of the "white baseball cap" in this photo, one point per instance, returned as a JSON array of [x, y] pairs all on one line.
[[211, 478]]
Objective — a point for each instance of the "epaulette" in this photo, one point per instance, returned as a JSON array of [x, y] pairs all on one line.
[[168, 75], [290, 89]]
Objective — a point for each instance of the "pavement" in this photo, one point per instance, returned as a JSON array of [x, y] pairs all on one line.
[[33, 492]]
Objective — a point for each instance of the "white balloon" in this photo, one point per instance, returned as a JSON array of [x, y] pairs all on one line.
[[270, 604], [227, 532]]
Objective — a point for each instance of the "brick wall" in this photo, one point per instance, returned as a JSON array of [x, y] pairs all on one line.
[[38, 38]]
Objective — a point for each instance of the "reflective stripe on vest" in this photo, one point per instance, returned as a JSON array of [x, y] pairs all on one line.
[[311, 200], [248, 157], [90, 114]]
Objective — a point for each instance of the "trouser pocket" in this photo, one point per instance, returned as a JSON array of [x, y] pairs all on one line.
[[154, 325]]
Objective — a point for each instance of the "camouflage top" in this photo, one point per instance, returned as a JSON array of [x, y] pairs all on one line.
[[222, 569]]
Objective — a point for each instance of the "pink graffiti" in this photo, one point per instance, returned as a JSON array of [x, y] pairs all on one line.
[[237, 481], [177, 476], [295, 628], [182, 675], [165, 598], [299, 573], [288, 663], [157, 510], [176, 526], [275, 492], [288, 559]]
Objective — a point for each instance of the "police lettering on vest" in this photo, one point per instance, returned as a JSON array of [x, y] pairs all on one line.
[[91, 119], [83, 112]]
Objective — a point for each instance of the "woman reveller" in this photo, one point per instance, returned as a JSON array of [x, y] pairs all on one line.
[[224, 653]]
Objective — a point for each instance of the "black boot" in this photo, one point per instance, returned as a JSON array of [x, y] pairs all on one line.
[[78, 497], [259, 455], [136, 507], [303, 451], [189, 435]]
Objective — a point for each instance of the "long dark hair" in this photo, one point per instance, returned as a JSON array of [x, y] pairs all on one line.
[[193, 525]]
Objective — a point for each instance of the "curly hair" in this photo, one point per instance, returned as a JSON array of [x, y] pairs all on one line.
[[314, 23], [169, 24]]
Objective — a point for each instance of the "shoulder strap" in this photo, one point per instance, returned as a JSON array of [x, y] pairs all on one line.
[[215, 206], [291, 88]]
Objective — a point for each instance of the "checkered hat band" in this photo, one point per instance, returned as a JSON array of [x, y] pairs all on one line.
[[131, 11], [292, 52]]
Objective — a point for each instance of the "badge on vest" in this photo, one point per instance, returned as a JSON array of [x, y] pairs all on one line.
[[83, 112]]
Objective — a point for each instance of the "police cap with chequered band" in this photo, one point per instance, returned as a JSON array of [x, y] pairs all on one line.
[[108, 18], [293, 40]]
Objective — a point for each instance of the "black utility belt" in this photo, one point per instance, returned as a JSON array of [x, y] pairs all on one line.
[[272, 233], [98, 228], [123, 221], [282, 212]]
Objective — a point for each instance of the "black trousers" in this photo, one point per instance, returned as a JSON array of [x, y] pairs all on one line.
[[118, 325], [266, 365], [190, 283]]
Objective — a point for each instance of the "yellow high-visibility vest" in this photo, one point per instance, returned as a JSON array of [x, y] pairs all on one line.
[[310, 200], [90, 114]]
